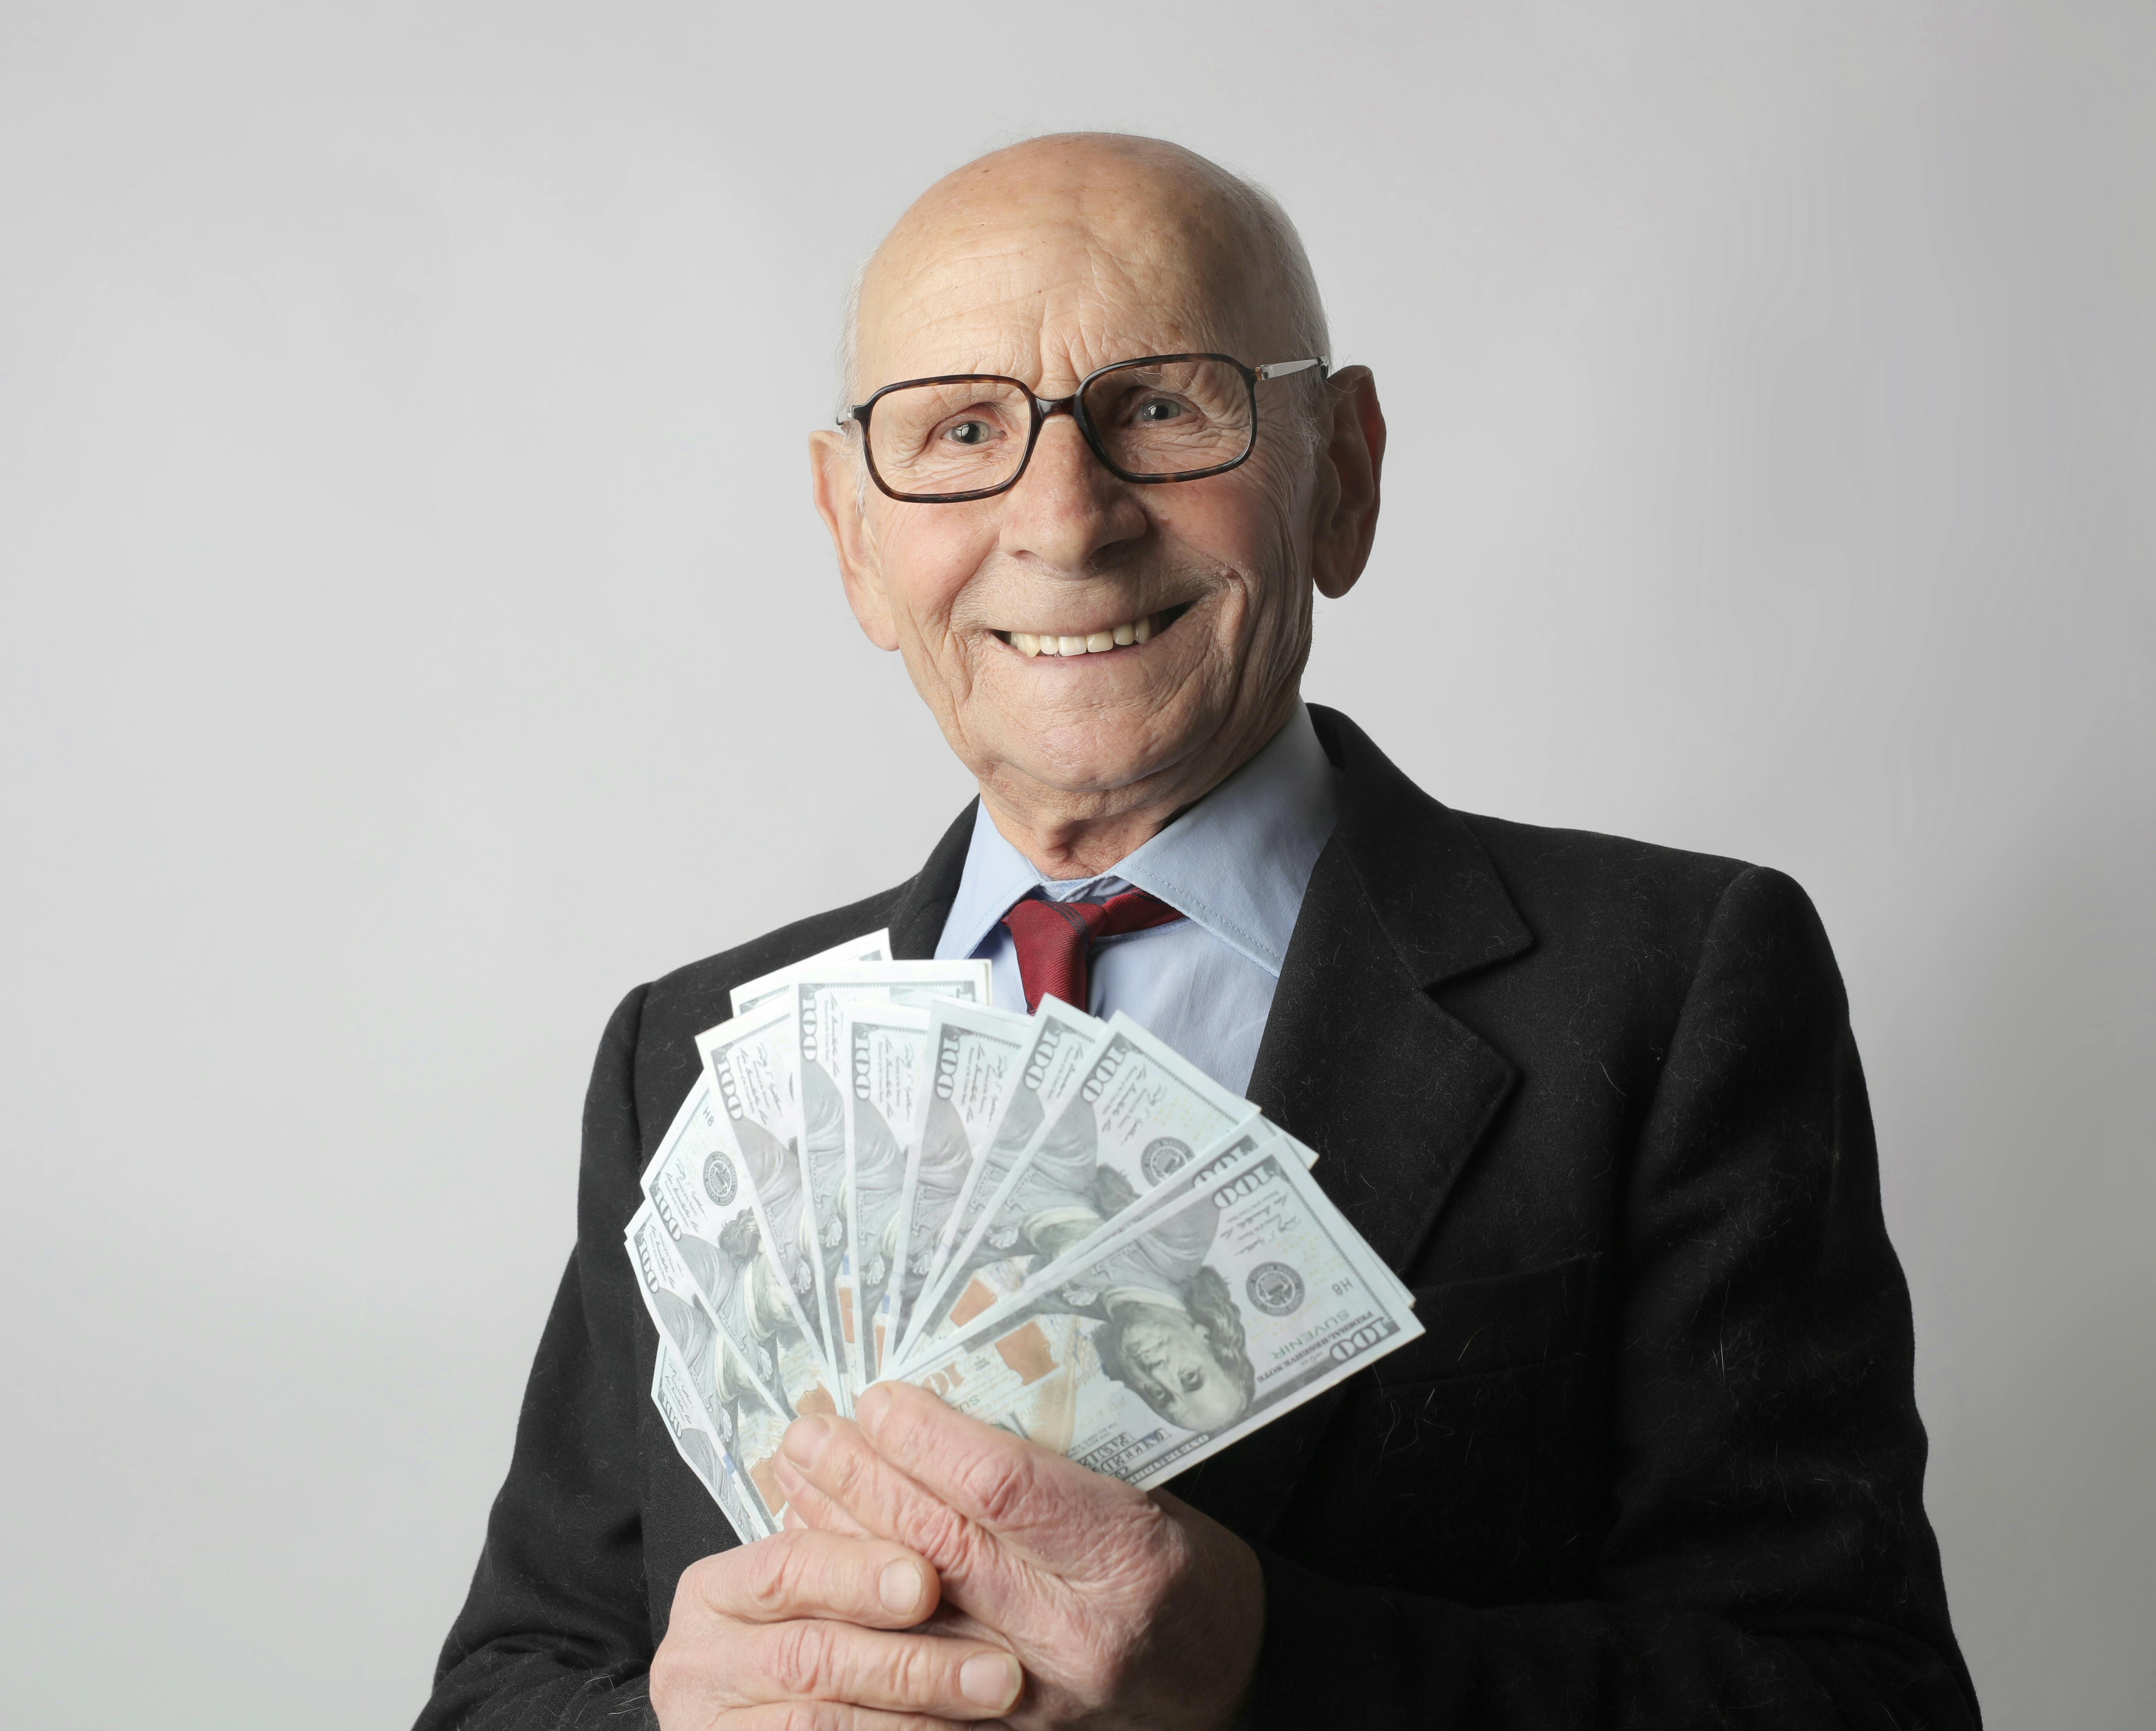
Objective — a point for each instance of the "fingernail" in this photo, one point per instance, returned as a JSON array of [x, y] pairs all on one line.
[[899, 1587], [989, 1679], [806, 1439], [868, 1405]]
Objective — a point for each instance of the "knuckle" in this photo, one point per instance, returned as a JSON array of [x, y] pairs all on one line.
[[944, 1534], [665, 1675], [911, 1671], [1001, 1485], [705, 1586], [770, 1572], [801, 1657]]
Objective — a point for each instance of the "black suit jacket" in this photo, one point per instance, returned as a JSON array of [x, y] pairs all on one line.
[[1656, 1461]]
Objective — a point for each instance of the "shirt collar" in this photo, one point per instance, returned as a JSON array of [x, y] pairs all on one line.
[[1236, 863]]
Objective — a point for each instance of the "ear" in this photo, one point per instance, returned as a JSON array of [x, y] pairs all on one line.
[[1355, 454], [834, 473]]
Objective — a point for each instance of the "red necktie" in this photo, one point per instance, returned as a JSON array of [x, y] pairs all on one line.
[[1053, 939]]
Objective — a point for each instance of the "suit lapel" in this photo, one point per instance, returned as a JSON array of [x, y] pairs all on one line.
[[917, 918], [1361, 1063], [1358, 1060]]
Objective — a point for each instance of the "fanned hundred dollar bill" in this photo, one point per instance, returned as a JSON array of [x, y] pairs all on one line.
[[1061, 1043], [682, 1315], [1059, 1225], [751, 1061], [695, 1188], [817, 999], [882, 1046], [968, 1064], [1171, 1340], [698, 1441], [1138, 1115], [752, 994], [1237, 1149]]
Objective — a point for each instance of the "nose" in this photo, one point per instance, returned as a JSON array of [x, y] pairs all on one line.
[[1067, 512]]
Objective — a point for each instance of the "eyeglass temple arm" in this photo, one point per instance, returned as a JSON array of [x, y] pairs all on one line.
[[1281, 369]]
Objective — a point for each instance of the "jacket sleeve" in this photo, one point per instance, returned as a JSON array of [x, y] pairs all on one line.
[[556, 1630], [1766, 1562]]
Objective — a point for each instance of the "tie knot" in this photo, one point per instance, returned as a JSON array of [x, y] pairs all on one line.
[[1053, 938]]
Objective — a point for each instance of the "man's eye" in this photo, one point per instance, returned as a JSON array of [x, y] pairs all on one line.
[[1155, 410], [1193, 1380], [970, 432]]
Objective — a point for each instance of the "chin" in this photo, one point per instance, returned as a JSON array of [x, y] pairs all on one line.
[[1087, 758]]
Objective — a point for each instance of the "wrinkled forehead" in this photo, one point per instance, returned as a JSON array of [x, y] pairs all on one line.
[[1047, 290]]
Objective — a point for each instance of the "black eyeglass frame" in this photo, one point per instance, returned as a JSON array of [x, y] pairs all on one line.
[[1074, 405]]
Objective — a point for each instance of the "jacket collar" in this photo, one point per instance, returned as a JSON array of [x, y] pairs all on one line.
[[1429, 882], [917, 918]]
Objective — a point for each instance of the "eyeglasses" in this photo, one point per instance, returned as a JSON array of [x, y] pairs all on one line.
[[1163, 417]]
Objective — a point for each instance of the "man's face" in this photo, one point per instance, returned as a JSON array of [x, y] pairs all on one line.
[[1045, 289], [1172, 1366]]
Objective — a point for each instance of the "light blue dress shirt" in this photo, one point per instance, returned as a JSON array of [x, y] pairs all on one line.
[[1236, 863]]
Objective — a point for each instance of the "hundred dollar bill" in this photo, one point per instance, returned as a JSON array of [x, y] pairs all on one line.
[[750, 1180], [882, 1046], [744, 1413], [1139, 1114], [696, 1193], [1260, 1138], [1060, 1043], [967, 1067], [1237, 1149], [697, 1440], [1173, 1341], [876, 946], [817, 999], [682, 1313], [1375, 1264]]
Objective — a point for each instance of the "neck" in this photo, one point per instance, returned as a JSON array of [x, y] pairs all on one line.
[[1067, 835]]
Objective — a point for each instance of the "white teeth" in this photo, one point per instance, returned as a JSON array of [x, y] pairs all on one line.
[[1092, 642]]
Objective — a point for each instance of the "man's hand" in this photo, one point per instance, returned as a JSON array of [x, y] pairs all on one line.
[[1126, 1610], [795, 1633]]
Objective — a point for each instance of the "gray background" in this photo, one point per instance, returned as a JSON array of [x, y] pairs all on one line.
[[416, 634]]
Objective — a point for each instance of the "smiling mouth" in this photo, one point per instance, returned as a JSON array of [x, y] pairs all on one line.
[[1127, 635]]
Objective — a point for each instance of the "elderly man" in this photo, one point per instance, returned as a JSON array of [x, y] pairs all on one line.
[[1655, 1460]]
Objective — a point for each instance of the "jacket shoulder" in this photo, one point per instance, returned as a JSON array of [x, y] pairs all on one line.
[[1608, 907], [1586, 868]]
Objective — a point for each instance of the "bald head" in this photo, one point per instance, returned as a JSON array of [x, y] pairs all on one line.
[[1215, 253]]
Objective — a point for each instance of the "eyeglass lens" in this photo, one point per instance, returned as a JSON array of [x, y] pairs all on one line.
[[1157, 419]]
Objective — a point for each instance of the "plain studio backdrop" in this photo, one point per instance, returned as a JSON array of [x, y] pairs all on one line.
[[416, 634]]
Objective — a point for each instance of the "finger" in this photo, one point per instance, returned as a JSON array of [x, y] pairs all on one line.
[[826, 1716], [817, 1660], [1046, 1506], [836, 1461], [806, 1574], [808, 1507]]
